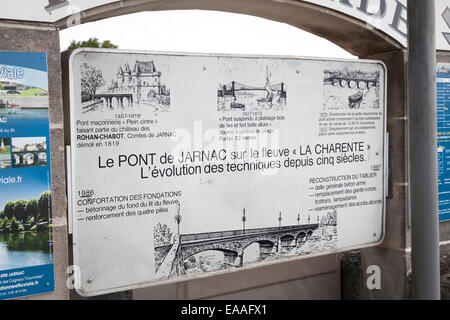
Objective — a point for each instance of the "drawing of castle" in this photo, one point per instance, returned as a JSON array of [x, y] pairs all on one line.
[[143, 81]]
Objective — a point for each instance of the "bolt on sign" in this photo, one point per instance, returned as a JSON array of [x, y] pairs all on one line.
[[186, 166]]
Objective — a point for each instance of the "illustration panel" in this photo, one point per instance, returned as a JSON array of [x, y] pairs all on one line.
[[190, 254], [266, 95], [137, 84], [346, 88], [231, 177]]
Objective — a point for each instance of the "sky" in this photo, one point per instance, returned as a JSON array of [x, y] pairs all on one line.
[[204, 31], [210, 32], [34, 181]]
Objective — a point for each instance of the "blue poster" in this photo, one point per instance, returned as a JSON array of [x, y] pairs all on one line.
[[26, 245], [443, 139]]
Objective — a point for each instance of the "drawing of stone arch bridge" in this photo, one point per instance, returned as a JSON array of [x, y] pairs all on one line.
[[107, 99], [346, 81], [232, 244]]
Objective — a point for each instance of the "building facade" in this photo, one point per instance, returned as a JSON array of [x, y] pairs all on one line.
[[143, 81]]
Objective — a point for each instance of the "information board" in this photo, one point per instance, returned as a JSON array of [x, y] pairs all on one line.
[[443, 139], [186, 166], [26, 245]]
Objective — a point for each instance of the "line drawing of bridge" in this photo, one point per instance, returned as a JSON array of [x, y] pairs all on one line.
[[107, 98], [232, 244], [233, 87], [362, 80], [346, 82]]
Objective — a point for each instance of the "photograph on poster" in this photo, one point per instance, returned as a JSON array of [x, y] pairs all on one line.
[[26, 241], [21, 101], [346, 88], [29, 152], [5, 153], [135, 87], [25, 226], [264, 95]]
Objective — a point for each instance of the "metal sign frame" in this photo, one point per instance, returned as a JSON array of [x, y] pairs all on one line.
[[71, 153]]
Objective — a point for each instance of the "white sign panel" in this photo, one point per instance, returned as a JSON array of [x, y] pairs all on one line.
[[188, 165], [389, 16]]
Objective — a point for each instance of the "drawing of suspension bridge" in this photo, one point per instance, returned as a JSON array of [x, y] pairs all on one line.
[[239, 96]]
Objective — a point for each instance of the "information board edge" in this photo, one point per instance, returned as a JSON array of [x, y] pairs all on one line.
[[77, 51], [49, 180], [440, 64]]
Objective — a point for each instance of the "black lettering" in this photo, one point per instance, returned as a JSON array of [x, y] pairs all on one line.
[[346, 3], [55, 4], [381, 9], [399, 17]]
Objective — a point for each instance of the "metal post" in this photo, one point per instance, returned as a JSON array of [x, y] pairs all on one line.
[[243, 221], [178, 218], [279, 220], [422, 149]]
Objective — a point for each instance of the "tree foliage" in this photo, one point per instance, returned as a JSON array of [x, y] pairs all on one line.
[[91, 80], [92, 43], [3, 222], [20, 207], [91, 77], [9, 209], [162, 235], [45, 204], [32, 209], [109, 45], [14, 224], [17, 213], [23, 209]]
